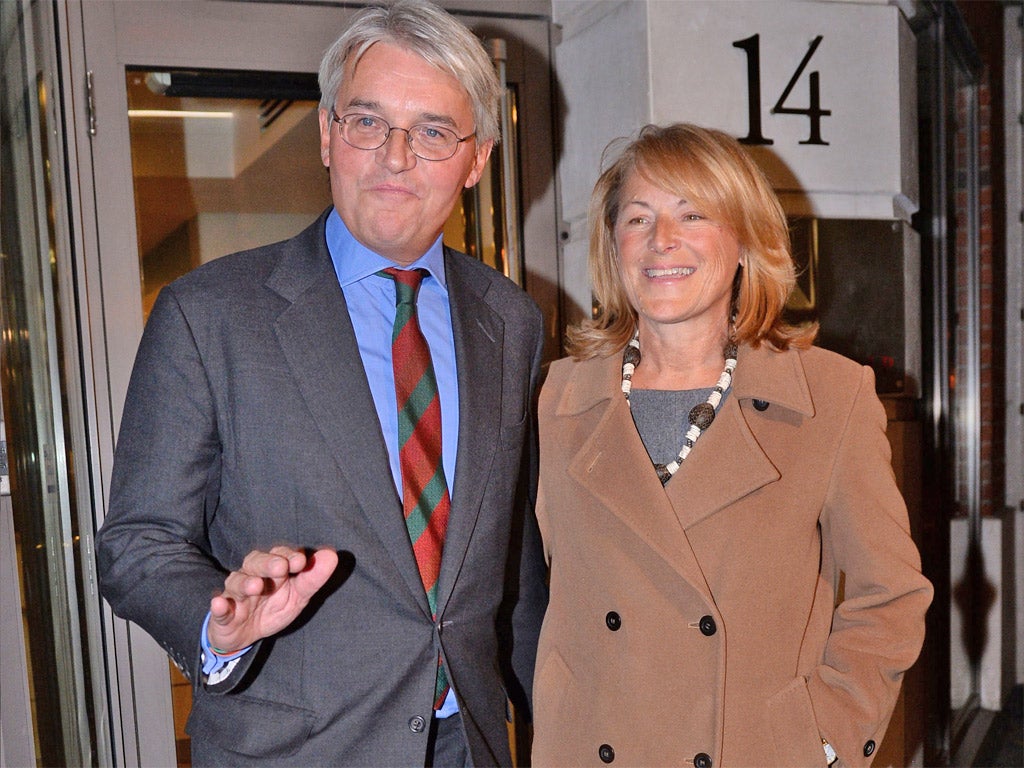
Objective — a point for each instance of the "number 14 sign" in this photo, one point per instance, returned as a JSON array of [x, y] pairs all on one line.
[[813, 110], [823, 93]]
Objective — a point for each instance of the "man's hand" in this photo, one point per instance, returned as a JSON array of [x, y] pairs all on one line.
[[266, 595]]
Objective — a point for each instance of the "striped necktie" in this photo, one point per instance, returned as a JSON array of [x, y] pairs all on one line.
[[425, 498]]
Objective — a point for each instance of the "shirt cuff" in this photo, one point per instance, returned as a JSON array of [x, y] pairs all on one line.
[[215, 666]]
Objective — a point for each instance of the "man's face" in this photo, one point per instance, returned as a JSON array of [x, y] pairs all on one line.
[[392, 201]]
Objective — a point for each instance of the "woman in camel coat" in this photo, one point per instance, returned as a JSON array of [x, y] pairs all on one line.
[[745, 591]]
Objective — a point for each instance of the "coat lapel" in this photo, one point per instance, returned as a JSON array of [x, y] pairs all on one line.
[[318, 341], [478, 332], [727, 463], [613, 465]]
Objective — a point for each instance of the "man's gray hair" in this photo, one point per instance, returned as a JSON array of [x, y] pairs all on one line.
[[422, 28]]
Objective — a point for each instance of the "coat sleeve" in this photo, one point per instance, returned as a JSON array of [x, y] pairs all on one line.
[[152, 549], [878, 625]]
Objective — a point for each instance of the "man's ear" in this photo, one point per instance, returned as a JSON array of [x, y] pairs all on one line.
[[483, 151], [324, 116]]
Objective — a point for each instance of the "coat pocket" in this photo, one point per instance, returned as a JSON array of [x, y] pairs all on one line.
[[250, 727], [794, 729], [557, 716]]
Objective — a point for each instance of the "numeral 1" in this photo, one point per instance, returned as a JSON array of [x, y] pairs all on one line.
[[752, 47]]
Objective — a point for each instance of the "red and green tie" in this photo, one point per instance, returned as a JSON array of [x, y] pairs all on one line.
[[425, 496]]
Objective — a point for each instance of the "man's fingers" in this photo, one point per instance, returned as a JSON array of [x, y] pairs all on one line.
[[296, 558], [221, 609], [320, 566], [275, 564], [240, 585], [268, 592]]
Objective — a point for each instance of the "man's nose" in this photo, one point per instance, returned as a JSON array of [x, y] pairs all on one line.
[[398, 154]]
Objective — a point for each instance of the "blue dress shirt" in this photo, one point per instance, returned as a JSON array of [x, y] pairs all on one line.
[[371, 305]]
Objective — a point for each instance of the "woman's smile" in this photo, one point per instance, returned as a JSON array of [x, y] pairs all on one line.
[[655, 272]]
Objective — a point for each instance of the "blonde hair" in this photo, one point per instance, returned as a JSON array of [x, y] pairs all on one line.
[[710, 169]]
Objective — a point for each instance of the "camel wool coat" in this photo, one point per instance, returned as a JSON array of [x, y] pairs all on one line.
[[768, 597]]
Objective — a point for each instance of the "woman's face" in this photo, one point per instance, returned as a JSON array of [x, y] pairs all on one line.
[[676, 263]]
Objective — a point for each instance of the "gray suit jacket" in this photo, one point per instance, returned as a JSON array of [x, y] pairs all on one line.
[[249, 423]]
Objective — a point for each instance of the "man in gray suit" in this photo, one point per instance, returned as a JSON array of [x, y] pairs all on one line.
[[256, 526]]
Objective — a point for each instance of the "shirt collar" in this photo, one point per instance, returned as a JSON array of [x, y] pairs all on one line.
[[353, 261]]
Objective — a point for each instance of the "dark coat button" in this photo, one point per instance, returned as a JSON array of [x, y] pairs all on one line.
[[606, 753], [708, 627], [613, 620], [869, 748], [761, 405], [417, 724], [702, 760]]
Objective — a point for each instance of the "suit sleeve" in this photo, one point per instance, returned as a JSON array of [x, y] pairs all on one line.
[[878, 627], [152, 549]]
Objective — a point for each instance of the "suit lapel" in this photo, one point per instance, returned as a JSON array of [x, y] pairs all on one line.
[[318, 341], [478, 332]]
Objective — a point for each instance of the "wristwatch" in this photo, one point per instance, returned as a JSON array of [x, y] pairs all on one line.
[[830, 754]]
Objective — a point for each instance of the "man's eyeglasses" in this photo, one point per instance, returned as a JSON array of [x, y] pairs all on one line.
[[429, 142]]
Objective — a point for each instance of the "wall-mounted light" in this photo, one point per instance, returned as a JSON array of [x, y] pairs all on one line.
[[180, 113]]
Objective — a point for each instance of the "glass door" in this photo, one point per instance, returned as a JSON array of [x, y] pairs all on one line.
[[51, 682], [221, 161], [226, 160], [202, 121], [949, 226]]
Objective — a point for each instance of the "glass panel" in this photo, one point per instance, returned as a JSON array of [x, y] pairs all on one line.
[[964, 350], [221, 161], [214, 173], [478, 225], [218, 166], [971, 595], [42, 512]]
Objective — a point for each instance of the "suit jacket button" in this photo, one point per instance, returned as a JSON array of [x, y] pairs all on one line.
[[761, 405], [417, 724], [707, 628], [613, 620], [606, 753], [702, 760], [869, 748]]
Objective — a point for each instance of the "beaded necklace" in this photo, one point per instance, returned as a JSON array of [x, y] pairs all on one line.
[[701, 415]]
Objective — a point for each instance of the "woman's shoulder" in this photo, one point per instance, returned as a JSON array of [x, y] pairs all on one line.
[[825, 359], [585, 380], [805, 378], [836, 379], [810, 358], [568, 367]]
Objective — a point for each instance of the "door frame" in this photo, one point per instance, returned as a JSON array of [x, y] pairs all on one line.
[[103, 38]]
